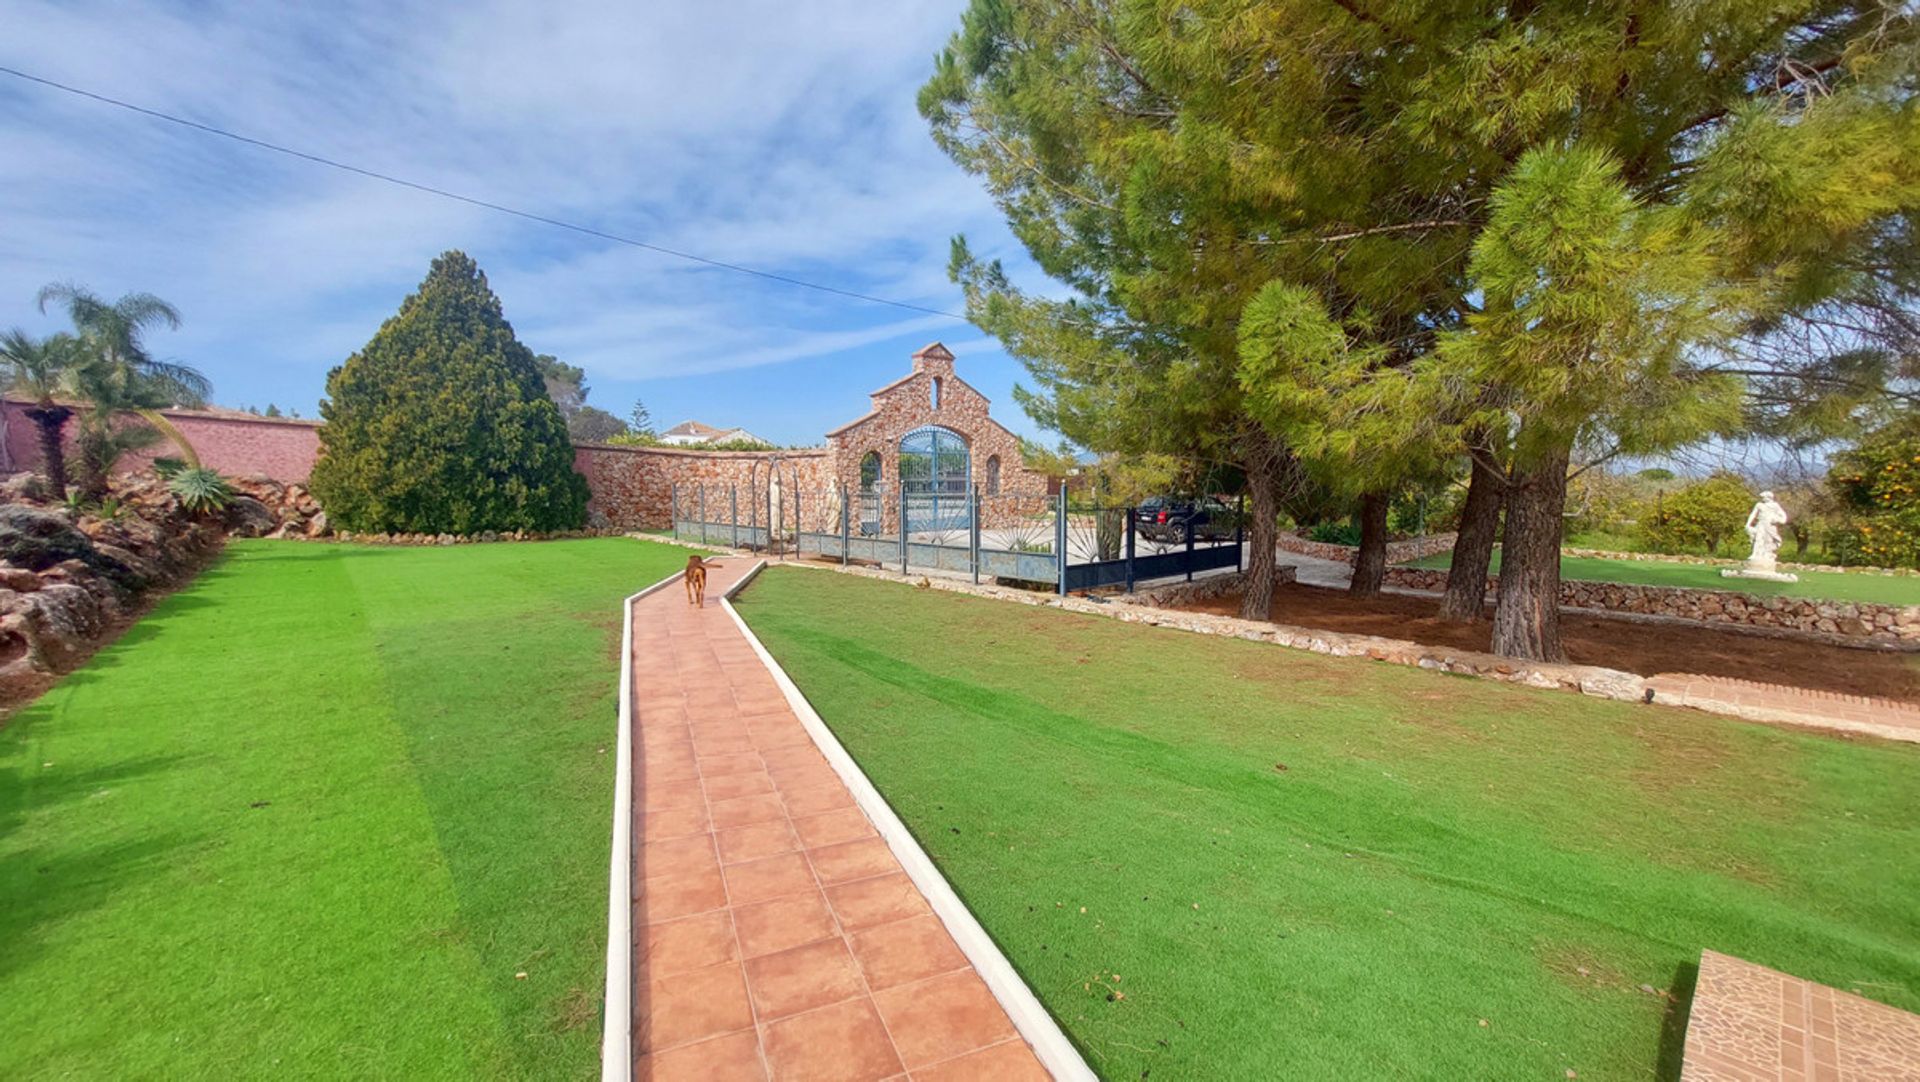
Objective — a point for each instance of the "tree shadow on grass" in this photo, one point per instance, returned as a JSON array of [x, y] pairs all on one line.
[[23, 792], [55, 882], [1673, 1027], [40, 888]]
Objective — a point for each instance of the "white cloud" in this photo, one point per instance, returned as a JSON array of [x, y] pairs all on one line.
[[772, 134]]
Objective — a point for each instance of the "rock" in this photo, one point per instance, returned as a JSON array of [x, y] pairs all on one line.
[[1611, 683], [141, 569], [248, 517], [23, 486], [37, 540], [61, 620], [317, 525], [16, 578]]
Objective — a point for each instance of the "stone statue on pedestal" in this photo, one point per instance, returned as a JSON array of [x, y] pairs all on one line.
[[1763, 526]]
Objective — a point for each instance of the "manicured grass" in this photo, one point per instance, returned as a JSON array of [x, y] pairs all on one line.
[[1219, 859], [1829, 585], [313, 814]]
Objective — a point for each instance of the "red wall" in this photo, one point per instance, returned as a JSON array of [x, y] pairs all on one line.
[[239, 446]]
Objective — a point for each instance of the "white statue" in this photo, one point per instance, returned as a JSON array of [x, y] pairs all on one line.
[[1763, 526]]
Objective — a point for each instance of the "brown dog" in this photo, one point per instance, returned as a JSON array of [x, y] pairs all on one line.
[[696, 582]]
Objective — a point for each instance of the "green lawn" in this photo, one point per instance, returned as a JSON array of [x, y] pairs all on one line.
[[311, 816], [1218, 859], [1831, 585]]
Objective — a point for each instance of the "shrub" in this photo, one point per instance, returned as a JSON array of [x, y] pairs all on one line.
[[442, 424], [1700, 515], [1599, 502], [1334, 533]]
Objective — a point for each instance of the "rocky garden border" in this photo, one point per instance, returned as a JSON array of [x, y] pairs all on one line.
[[1849, 622]]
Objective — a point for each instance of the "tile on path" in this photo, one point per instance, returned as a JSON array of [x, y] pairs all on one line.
[[775, 934]]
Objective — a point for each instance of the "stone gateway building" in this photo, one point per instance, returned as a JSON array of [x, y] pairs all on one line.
[[930, 431]]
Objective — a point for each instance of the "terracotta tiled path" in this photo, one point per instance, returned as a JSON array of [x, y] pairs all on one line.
[[775, 935], [1753, 1024]]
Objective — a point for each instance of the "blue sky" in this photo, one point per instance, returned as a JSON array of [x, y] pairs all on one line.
[[777, 135]]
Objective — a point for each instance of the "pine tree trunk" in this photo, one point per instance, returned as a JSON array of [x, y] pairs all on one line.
[[1263, 512], [1526, 621], [1466, 596], [1370, 562], [50, 420]]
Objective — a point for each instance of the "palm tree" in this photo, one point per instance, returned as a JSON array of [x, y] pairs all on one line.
[[117, 372], [103, 434], [40, 370], [113, 336]]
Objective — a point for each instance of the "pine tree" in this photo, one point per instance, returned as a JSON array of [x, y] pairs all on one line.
[[1167, 163], [442, 424]]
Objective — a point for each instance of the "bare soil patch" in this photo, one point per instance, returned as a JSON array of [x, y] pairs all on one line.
[[1643, 648]]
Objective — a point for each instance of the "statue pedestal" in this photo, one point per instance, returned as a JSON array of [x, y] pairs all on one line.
[[1764, 572]]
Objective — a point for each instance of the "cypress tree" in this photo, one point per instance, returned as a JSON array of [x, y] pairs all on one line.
[[442, 424]]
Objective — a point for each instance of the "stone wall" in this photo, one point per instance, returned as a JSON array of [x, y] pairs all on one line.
[[633, 486], [1398, 552], [238, 444], [1204, 588], [1845, 619]]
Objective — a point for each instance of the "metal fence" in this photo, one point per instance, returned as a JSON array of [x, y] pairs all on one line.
[[1019, 537]]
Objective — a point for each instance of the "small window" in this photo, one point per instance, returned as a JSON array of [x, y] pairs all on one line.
[[993, 475], [870, 471], [934, 395]]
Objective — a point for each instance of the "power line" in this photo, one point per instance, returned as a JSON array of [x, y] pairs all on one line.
[[470, 200]]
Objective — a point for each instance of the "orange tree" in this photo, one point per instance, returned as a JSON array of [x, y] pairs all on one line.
[[1878, 486]]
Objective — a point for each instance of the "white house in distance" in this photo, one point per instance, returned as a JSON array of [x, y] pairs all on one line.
[[695, 434]]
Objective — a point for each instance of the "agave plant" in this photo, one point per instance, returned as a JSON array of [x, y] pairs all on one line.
[[200, 490]]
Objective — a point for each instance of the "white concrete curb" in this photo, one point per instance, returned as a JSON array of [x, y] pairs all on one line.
[[616, 1033], [1041, 1032]]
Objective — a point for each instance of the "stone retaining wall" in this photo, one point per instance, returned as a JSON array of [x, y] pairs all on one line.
[[1205, 588], [1845, 619], [1398, 552]]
